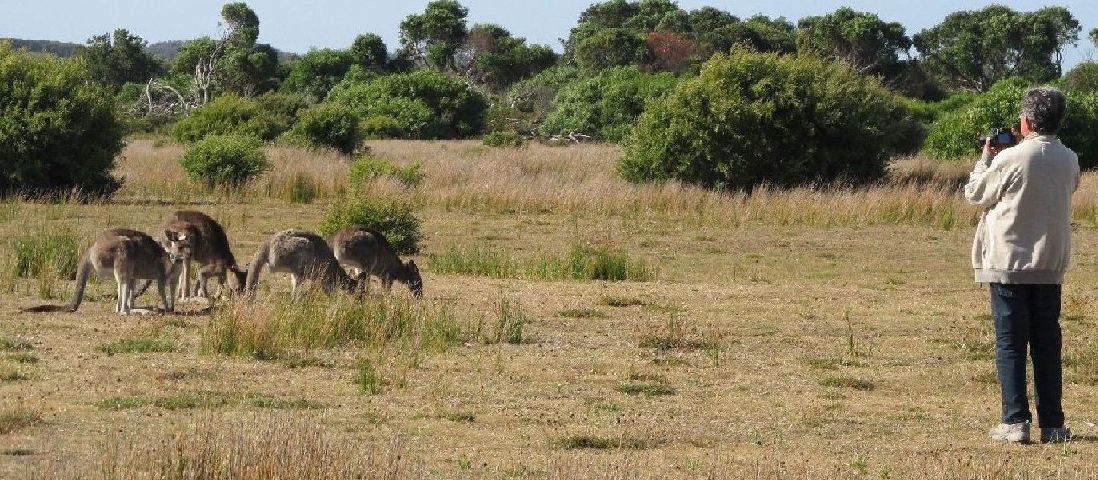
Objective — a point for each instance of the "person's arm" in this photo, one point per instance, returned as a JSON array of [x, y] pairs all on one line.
[[989, 179]]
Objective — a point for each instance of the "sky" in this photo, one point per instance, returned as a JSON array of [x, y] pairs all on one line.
[[298, 25]]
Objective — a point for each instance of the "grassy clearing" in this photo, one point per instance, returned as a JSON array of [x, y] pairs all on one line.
[[18, 419], [581, 263], [273, 330], [138, 345]]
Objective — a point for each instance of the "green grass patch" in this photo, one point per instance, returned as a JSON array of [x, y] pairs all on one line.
[[206, 400], [24, 358], [618, 301], [1082, 364], [15, 345], [138, 345], [648, 389], [303, 189], [12, 420], [44, 253], [460, 417], [275, 330], [366, 168], [10, 375], [367, 379], [581, 263], [582, 313], [844, 381], [594, 442], [510, 320]]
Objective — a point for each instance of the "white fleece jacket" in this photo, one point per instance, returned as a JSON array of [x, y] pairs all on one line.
[[1024, 235]]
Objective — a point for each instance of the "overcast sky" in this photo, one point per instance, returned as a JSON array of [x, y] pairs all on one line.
[[297, 25]]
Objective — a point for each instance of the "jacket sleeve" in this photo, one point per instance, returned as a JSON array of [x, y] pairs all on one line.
[[990, 179]]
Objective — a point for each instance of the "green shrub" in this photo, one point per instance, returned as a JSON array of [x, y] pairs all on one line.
[[329, 125], [383, 126], [229, 114], [424, 104], [395, 219], [607, 105], [367, 167], [928, 112], [281, 108], [504, 139], [1080, 125], [601, 263], [751, 118], [41, 252], [58, 128], [535, 94], [225, 160]]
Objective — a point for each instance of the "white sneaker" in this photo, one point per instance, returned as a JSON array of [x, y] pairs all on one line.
[[1055, 435], [1011, 432]]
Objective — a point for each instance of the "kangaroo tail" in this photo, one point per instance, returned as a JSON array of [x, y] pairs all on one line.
[[46, 309], [82, 274], [262, 255]]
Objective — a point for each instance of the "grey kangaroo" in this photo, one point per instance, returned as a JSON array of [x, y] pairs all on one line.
[[303, 255], [210, 249], [130, 256], [368, 251]]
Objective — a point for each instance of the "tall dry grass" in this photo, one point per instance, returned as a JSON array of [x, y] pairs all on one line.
[[470, 177], [278, 447]]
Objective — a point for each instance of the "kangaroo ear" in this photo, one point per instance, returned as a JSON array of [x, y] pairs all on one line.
[[411, 264]]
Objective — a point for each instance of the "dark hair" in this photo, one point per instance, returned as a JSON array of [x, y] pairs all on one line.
[[1045, 108]]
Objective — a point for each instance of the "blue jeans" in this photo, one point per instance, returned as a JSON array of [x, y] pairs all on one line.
[[1028, 316]]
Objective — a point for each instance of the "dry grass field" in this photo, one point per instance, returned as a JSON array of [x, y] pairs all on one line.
[[808, 333]]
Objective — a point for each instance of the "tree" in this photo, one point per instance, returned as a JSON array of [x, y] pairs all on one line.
[[58, 128], [610, 47], [369, 52], [859, 39], [434, 37], [1094, 36], [494, 58], [607, 105], [316, 72], [975, 49], [119, 58], [669, 51]]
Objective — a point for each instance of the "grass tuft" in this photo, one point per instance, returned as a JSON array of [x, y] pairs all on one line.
[[44, 253], [619, 301], [15, 345], [460, 417], [649, 389], [582, 313], [24, 358], [9, 375], [581, 263], [367, 379], [12, 420], [844, 381], [593, 442]]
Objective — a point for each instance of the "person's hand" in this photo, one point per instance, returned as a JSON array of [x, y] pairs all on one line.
[[991, 150]]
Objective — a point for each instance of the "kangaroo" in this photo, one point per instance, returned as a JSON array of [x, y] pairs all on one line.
[[210, 249], [369, 251], [302, 254], [130, 256]]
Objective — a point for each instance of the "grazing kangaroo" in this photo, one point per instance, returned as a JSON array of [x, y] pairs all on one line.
[[367, 250], [130, 255], [302, 254], [210, 249]]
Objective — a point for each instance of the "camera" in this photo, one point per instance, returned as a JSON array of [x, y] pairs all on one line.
[[1000, 137]]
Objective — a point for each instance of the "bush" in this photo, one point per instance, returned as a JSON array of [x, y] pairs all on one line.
[[395, 219], [58, 128], [928, 112], [535, 95], [229, 114], [225, 160], [367, 168], [751, 118], [329, 125], [281, 108], [606, 106], [424, 104], [504, 139]]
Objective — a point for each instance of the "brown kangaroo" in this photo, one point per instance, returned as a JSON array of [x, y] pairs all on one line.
[[369, 251], [130, 256], [210, 250], [302, 254]]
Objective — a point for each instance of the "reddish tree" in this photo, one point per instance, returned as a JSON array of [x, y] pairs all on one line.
[[669, 52]]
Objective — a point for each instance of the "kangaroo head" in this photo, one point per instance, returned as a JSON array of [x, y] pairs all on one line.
[[238, 278], [415, 281], [178, 245]]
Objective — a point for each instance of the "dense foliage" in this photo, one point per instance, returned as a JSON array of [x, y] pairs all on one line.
[[229, 114], [58, 129], [752, 118], [225, 160], [607, 105], [329, 125], [423, 104]]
